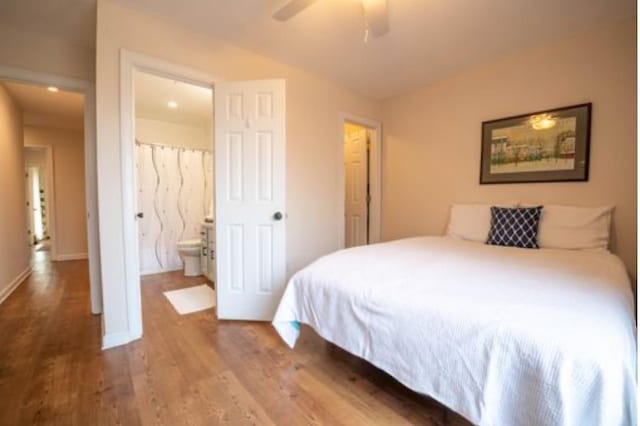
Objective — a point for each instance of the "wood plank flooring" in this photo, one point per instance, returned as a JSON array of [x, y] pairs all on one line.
[[186, 370]]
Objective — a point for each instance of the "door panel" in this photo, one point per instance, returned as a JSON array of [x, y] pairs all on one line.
[[250, 189], [356, 180]]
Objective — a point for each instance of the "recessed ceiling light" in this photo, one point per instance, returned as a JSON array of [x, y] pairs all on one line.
[[172, 104], [52, 89]]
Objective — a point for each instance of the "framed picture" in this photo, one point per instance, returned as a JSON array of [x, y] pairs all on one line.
[[544, 146]]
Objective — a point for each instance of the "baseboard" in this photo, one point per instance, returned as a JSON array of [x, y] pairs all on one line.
[[112, 340], [14, 284], [71, 256]]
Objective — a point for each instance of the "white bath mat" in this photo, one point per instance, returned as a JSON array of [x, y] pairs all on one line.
[[192, 299]]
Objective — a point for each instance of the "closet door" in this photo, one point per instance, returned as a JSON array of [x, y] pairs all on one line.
[[250, 198], [356, 191]]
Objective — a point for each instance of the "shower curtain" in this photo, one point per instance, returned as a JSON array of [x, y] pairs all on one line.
[[175, 192]]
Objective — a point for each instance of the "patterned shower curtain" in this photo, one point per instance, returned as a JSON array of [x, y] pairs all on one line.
[[175, 191]]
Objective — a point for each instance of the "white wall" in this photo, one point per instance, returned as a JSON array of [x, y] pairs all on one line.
[[14, 249], [432, 136], [173, 134], [314, 137], [69, 187]]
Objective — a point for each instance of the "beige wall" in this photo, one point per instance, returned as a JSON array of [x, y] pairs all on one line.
[[432, 136], [174, 134], [69, 186], [35, 157], [314, 137], [14, 250], [31, 51]]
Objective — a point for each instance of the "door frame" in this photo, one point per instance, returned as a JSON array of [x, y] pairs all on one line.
[[130, 63], [50, 194], [375, 176], [87, 88]]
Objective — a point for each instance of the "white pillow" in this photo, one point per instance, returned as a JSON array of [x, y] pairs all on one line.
[[575, 228], [472, 222]]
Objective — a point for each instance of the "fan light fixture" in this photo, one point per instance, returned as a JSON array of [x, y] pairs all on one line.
[[375, 15], [172, 104]]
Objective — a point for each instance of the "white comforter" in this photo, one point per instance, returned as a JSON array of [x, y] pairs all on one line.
[[503, 336]]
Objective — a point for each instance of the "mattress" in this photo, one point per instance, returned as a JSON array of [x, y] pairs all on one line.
[[503, 336]]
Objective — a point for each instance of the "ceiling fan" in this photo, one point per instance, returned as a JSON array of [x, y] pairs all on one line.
[[375, 14]]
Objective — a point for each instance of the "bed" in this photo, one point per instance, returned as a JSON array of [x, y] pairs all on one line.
[[500, 335]]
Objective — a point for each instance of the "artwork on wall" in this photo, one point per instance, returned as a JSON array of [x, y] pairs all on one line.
[[544, 146]]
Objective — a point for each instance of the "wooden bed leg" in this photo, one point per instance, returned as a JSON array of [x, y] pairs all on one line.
[[446, 415]]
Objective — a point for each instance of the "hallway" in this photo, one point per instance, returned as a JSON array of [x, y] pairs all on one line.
[[188, 369]]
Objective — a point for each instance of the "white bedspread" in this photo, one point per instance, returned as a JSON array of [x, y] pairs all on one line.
[[503, 336]]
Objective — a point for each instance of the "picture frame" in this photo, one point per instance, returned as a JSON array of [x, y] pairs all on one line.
[[542, 146]]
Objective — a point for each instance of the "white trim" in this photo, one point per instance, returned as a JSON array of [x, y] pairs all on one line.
[[112, 340], [51, 194], [375, 176], [91, 181], [91, 194], [131, 62], [14, 284], [71, 256]]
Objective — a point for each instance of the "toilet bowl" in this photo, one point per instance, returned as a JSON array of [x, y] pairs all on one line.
[[189, 252]]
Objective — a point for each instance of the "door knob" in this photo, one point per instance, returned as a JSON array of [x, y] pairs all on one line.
[[277, 216], [140, 215]]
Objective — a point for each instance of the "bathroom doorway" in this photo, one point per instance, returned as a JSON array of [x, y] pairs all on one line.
[[249, 226], [174, 177]]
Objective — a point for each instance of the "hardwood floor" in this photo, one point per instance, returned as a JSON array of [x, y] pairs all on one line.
[[191, 369]]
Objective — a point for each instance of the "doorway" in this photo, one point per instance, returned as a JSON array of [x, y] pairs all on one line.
[[38, 161], [249, 173], [174, 176], [173, 125], [57, 85], [35, 203], [362, 193], [51, 124], [357, 200]]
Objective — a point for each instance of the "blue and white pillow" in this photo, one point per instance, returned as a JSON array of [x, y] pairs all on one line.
[[515, 227]]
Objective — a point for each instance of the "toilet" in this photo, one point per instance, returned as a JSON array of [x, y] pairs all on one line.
[[189, 251]]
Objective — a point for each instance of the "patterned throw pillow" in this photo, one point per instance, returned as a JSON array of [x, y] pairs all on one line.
[[514, 227]]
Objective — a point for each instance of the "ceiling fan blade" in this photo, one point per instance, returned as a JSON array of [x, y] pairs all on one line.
[[377, 16], [291, 9]]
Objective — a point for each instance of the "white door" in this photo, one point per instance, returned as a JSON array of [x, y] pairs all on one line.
[[36, 205], [36, 225], [356, 192], [28, 204], [250, 198]]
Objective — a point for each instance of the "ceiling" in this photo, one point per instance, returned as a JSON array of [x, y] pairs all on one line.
[[60, 109], [73, 21], [152, 94], [428, 39]]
